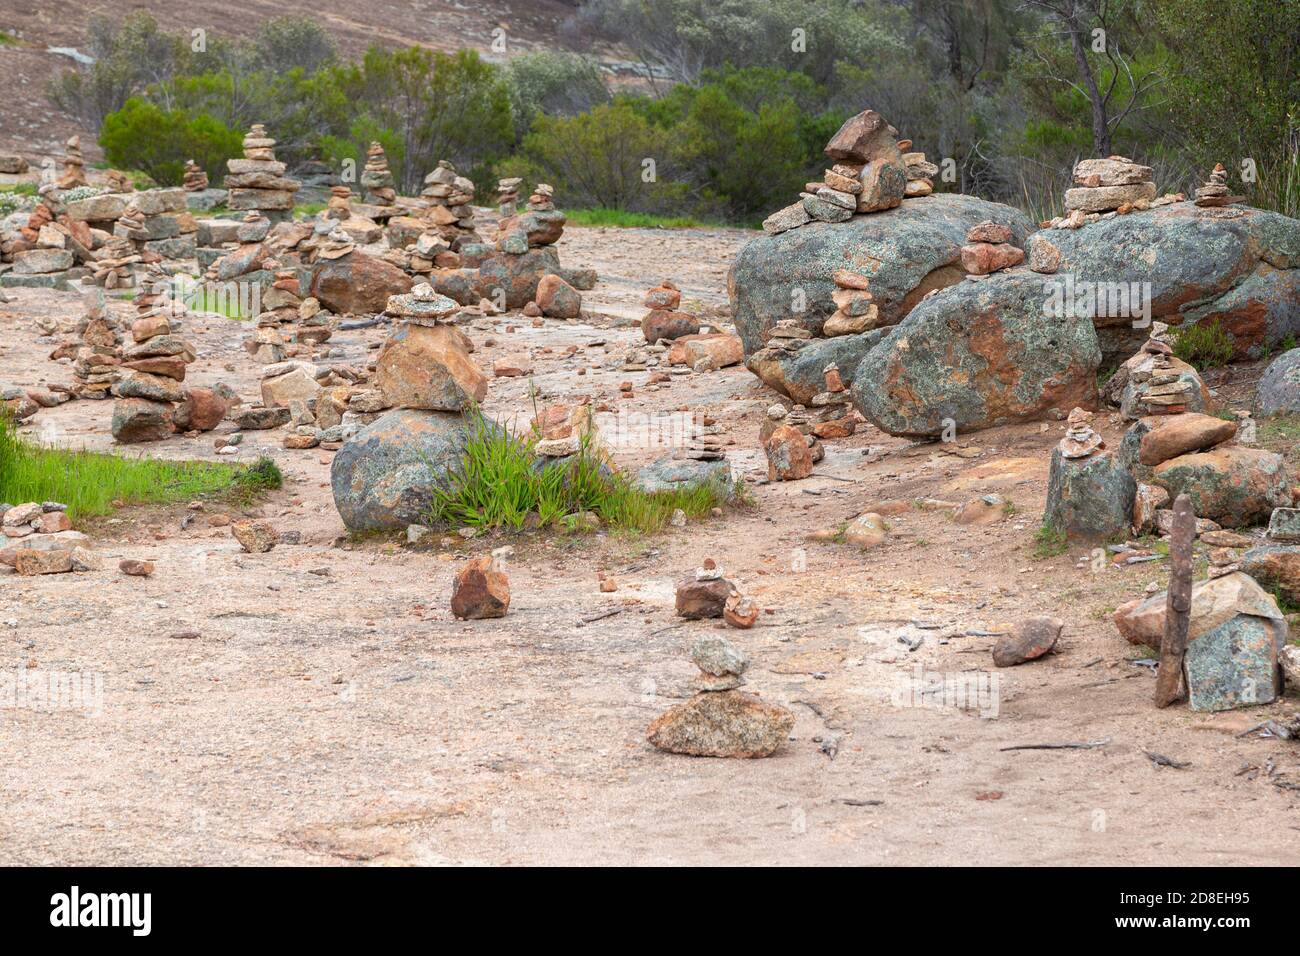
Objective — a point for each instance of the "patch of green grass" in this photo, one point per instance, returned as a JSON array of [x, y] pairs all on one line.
[[309, 209], [5, 38], [1050, 542], [1205, 345], [89, 482], [499, 483], [20, 189], [1286, 344], [628, 220], [1284, 603]]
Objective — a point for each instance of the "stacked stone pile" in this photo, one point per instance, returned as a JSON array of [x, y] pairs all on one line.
[[664, 320], [1215, 191], [258, 180], [988, 249], [832, 409], [449, 196], [111, 266], [38, 538], [339, 205], [869, 175], [1156, 382], [377, 178], [195, 179], [508, 195], [74, 166], [540, 225], [159, 224], [97, 353], [920, 172], [855, 310], [425, 361], [44, 247]]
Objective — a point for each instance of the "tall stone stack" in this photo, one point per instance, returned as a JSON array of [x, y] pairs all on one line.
[[869, 175], [1215, 191], [258, 181], [111, 266], [74, 165], [450, 196], [920, 172], [425, 362], [195, 179], [855, 311], [340, 203], [97, 354], [377, 179]]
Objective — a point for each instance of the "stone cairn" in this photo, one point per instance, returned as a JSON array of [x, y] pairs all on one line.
[[97, 353], [74, 165], [113, 261], [664, 321], [920, 172], [1105, 188], [195, 180], [425, 361], [854, 309], [1158, 383], [340, 203], [46, 244], [869, 175], [1215, 191], [450, 196], [508, 195], [258, 181], [721, 720], [833, 408], [988, 249], [38, 538], [159, 224], [377, 178], [540, 225]]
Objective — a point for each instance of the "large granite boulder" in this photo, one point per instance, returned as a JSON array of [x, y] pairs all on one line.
[[1278, 391], [357, 283], [517, 275], [383, 477], [978, 354], [1233, 485], [905, 251], [1091, 497], [1234, 264]]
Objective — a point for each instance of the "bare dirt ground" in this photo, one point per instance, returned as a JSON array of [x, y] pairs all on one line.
[[331, 711]]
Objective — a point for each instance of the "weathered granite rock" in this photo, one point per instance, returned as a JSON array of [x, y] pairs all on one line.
[[1284, 525], [906, 252], [1275, 566], [140, 420], [799, 374], [729, 723], [1174, 435], [383, 477], [1030, 640], [1278, 391], [698, 599], [976, 355], [428, 367], [557, 299], [480, 590], [668, 324], [1232, 485], [1236, 265], [357, 283], [1090, 498], [516, 276], [675, 474]]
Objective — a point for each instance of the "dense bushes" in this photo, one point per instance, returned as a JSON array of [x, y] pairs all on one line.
[[158, 142]]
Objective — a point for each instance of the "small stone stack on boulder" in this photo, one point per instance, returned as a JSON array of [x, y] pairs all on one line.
[[664, 321], [111, 263], [1115, 184], [869, 175], [74, 165], [833, 415], [1090, 491], [1156, 382], [920, 173], [377, 178], [988, 249], [339, 205], [258, 181], [195, 180], [159, 224], [720, 720], [855, 311], [97, 354], [425, 361], [540, 225], [449, 196], [1215, 191]]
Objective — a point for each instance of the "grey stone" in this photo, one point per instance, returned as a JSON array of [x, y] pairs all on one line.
[[1091, 497]]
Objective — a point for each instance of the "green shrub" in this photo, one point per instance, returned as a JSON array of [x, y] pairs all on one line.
[[1204, 344], [143, 136]]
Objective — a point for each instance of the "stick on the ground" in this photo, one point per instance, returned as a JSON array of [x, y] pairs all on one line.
[[1178, 604], [1090, 745]]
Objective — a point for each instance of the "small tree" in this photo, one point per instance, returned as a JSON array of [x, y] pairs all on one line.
[[143, 136]]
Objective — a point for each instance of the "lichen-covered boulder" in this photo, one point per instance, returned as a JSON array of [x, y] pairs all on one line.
[[516, 275], [800, 372], [682, 474], [1090, 497], [905, 251], [1276, 567], [1233, 485], [1235, 265], [383, 477], [1278, 391], [976, 355]]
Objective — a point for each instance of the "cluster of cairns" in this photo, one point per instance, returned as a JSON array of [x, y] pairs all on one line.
[[1105, 188], [870, 174], [1215, 191], [377, 178], [158, 225], [258, 180], [450, 197]]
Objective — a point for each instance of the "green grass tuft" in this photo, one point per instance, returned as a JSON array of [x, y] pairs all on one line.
[[629, 220], [89, 482], [1205, 345], [1050, 542], [499, 483]]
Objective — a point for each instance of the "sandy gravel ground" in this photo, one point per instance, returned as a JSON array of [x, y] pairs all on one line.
[[319, 705]]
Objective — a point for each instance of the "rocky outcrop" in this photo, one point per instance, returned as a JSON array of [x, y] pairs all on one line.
[[906, 252], [1234, 265], [383, 477], [978, 354]]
